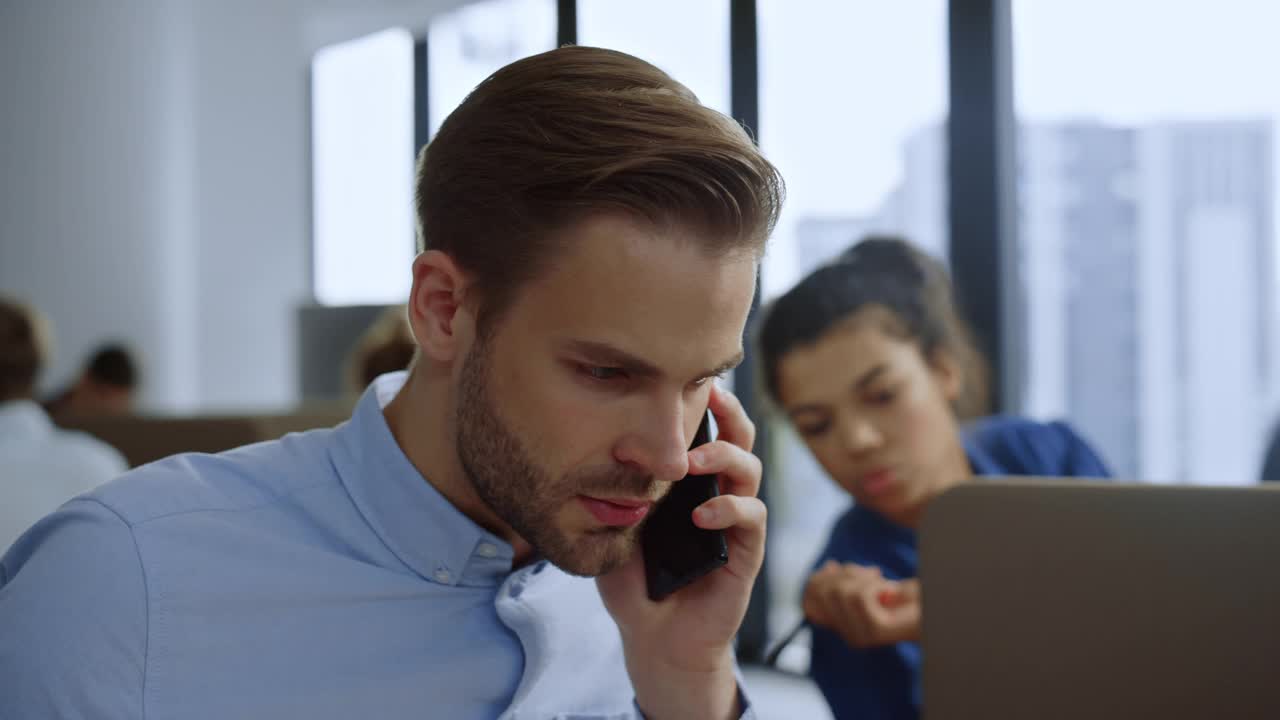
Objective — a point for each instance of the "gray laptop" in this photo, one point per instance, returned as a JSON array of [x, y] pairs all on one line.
[[1064, 599]]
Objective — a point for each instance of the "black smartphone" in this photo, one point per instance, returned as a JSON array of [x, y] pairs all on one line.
[[677, 552]]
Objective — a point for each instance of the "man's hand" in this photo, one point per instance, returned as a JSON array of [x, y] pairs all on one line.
[[679, 652], [862, 606]]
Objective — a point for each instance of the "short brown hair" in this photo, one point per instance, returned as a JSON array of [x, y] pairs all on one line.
[[555, 137], [22, 350]]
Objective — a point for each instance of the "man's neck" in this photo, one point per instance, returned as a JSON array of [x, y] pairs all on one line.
[[420, 418]]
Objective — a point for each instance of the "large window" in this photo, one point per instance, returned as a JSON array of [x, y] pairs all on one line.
[[362, 155], [689, 40], [467, 45], [852, 111], [852, 106], [1148, 240], [363, 136]]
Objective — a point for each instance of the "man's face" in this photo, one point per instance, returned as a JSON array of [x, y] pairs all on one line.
[[576, 410]]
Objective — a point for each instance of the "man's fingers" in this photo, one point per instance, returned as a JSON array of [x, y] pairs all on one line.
[[732, 511], [731, 419], [738, 470], [744, 520]]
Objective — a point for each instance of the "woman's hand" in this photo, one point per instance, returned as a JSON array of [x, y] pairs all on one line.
[[862, 606]]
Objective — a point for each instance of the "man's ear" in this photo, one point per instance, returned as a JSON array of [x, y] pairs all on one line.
[[440, 321]]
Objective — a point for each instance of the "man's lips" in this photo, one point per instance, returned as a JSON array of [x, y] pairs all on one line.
[[616, 512]]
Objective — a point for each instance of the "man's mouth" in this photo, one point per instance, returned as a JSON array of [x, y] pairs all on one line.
[[616, 512]]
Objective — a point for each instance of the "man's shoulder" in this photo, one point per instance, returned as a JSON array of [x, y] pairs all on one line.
[[244, 478]]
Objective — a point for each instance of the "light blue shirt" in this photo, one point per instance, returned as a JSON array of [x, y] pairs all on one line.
[[318, 576]]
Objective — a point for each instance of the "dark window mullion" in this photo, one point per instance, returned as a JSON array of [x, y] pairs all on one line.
[[566, 22], [982, 187], [745, 107]]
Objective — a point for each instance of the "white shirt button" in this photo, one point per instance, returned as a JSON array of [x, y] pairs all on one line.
[[487, 550], [443, 576]]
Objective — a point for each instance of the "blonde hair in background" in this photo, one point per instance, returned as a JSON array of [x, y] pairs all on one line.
[[387, 346], [25, 348]]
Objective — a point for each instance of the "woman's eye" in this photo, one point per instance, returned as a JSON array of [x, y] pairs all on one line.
[[813, 429], [884, 397]]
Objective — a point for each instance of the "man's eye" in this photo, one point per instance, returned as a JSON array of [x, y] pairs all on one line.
[[708, 379], [596, 372]]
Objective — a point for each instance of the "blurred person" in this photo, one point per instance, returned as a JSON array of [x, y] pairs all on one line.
[[387, 346], [466, 545], [871, 363], [107, 385], [41, 467]]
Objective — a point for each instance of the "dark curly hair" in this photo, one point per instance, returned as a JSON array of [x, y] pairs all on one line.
[[889, 273]]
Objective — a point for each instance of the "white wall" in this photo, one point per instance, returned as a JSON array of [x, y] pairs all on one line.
[[84, 219], [155, 181], [252, 208]]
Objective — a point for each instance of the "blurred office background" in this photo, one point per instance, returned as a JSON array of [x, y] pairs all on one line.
[[226, 186]]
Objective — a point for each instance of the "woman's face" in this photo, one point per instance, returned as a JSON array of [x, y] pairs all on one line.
[[877, 414]]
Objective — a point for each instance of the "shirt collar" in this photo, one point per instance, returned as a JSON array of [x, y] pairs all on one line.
[[415, 521], [980, 461], [23, 420], [883, 527]]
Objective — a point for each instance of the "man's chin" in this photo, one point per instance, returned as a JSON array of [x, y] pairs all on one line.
[[595, 552]]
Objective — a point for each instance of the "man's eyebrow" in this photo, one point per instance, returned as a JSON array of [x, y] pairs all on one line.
[[726, 366], [605, 354]]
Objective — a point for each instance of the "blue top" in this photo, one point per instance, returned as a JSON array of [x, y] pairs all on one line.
[[318, 576], [884, 683]]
